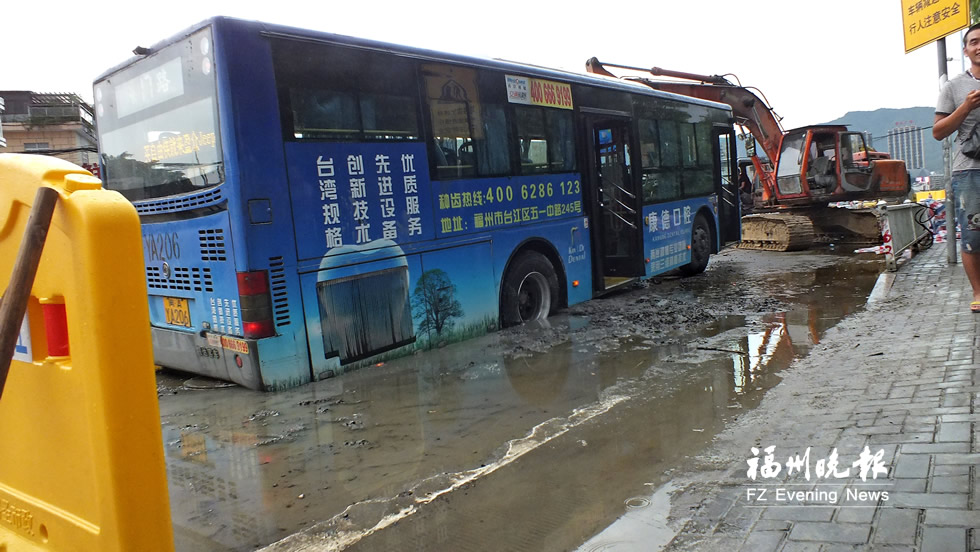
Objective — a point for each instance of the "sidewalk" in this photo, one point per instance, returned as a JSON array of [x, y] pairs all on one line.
[[900, 377]]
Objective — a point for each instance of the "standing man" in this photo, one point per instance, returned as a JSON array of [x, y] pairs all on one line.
[[957, 111]]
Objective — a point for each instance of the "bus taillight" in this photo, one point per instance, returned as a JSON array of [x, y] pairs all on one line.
[[256, 304]]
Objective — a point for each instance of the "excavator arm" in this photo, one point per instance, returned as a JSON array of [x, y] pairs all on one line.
[[749, 110]]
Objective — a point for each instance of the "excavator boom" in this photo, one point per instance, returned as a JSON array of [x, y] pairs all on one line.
[[749, 110]]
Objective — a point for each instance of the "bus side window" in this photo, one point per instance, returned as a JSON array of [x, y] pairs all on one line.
[[546, 139], [699, 178], [324, 114], [659, 159], [469, 128], [560, 129], [532, 139], [345, 94]]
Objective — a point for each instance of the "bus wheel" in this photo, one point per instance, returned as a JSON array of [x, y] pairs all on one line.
[[530, 289], [700, 247]]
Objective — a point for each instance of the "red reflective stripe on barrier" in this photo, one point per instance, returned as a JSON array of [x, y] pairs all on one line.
[[56, 329]]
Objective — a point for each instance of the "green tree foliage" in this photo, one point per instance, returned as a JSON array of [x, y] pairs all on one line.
[[434, 302], [974, 11]]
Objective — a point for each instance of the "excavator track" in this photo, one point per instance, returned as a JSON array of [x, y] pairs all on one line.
[[776, 232]]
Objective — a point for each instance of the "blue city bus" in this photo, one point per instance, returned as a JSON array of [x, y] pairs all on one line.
[[312, 203]]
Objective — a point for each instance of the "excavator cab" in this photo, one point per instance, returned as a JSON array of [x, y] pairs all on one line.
[[821, 166], [809, 165], [855, 162]]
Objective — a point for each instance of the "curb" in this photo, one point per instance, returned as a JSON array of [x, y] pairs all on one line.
[[882, 287]]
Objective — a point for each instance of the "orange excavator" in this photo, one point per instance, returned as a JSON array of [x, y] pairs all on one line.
[[808, 168]]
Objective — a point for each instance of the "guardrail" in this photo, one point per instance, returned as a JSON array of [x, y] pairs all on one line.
[[902, 227]]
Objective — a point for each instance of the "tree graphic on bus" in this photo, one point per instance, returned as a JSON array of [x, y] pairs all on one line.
[[434, 302]]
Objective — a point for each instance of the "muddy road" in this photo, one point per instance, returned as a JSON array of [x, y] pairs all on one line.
[[533, 438]]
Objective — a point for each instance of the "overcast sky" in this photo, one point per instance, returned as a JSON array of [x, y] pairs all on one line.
[[814, 61]]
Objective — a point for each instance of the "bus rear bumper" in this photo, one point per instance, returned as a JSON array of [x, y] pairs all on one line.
[[211, 355]]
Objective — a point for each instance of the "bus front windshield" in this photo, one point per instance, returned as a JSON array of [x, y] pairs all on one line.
[[158, 128]]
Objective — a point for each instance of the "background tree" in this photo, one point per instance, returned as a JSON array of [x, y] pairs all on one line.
[[434, 301]]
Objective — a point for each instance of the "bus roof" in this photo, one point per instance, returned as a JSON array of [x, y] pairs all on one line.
[[420, 53]]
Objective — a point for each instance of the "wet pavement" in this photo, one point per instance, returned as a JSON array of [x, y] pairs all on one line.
[[890, 394], [532, 439]]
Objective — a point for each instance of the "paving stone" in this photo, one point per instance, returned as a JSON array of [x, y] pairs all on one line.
[[939, 411], [954, 431], [943, 539], [830, 532], [791, 546], [934, 448], [877, 429], [952, 418], [951, 469], [853, 514], [924, 420], [898, 438], [971, 459], [903, 392], [957, 399], [909, 485], [928, 428], [950, 484], [913, 465], [896, 526], [927, 500], [798, 513], [772, 525], [946, 517], [763, 541], [740, 518]]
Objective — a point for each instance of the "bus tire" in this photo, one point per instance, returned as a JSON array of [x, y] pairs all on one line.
[[529, 291], [700, 247]]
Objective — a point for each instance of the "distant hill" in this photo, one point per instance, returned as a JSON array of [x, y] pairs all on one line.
[[880, 121]]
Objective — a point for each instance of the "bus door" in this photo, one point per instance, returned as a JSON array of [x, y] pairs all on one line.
[[618, 237], [729, 201]]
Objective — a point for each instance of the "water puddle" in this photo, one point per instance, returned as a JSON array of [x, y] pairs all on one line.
[[472, 444]]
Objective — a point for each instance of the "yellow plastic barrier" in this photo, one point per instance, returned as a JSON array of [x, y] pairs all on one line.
[[81, 453]]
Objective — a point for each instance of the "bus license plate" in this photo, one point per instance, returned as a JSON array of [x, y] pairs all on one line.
[[176, 311]]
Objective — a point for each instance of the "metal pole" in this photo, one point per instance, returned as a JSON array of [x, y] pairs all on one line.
[[950, 202]]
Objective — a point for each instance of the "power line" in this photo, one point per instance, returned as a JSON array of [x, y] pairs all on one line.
[[900, 133]]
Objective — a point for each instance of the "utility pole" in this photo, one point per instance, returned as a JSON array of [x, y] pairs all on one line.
[[947, 162]]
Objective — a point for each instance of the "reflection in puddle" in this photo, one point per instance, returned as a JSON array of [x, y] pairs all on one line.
[[362, 450], [645, 522]]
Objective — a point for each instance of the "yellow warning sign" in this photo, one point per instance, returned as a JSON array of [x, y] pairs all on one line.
[[928, 20]]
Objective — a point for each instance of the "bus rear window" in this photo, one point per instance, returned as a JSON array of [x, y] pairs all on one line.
[[158, 123]]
